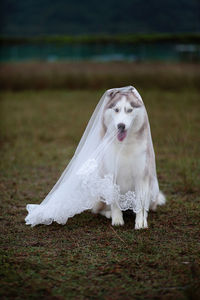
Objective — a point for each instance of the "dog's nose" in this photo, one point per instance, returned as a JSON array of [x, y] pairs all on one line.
[[121, 126]]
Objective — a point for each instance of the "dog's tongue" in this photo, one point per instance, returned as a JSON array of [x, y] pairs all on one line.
[[121, 135]]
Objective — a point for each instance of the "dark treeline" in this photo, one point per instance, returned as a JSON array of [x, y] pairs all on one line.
[[50, 17], [186, 38]]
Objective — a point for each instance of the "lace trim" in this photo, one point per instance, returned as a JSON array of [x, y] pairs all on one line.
[[104, 187], [91, 187]]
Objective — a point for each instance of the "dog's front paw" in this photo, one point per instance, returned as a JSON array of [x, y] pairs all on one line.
[[145, 224], [138, 225], [117, 220], [141, 225], [141, 221]]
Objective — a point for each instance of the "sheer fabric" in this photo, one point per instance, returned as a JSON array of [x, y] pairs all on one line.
[[86, 180]]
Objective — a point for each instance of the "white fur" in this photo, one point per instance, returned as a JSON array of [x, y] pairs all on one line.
[[135, 159]]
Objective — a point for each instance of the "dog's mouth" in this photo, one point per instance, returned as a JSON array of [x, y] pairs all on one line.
[[121, 135]]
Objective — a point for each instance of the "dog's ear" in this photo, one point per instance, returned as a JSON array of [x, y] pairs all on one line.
[[113, 93], [136, 103], [136, 100], [111, 102]]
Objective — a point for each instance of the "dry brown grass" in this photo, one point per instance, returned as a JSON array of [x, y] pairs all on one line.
[[88, 75]]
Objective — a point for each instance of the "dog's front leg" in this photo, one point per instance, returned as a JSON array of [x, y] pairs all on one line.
[[141, 219], [142, 198], [117, 215]]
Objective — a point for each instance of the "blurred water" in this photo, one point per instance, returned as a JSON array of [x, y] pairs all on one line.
[[100, 52]]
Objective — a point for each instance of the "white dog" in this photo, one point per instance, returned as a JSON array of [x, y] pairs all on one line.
[[136, 164]]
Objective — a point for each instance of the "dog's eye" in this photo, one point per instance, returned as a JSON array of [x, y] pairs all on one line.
[[129, 110], [116, 110]]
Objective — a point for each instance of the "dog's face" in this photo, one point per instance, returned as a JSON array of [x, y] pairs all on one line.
[[121, 111]]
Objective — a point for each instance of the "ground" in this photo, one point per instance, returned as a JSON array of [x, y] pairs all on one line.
[[88, 258]]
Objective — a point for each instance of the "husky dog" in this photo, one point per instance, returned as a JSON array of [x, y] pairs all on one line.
[[125, 112]]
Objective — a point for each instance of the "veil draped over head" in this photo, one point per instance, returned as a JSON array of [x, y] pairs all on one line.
[[86, 181]]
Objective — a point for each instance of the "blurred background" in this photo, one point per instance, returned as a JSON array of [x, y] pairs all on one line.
[[72, 42], [57, 57]]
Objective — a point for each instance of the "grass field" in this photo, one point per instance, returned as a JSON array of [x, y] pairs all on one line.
[[93, 75], [88, 258]]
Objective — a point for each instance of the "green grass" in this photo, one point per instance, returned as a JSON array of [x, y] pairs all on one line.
[[88, 258]]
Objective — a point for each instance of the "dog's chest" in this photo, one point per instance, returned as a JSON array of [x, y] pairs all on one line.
[[126, 164]]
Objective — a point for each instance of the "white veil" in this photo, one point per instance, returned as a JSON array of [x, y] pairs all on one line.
[[85, 181]]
